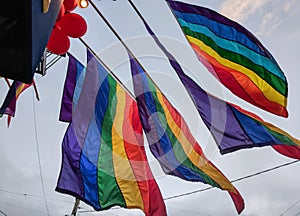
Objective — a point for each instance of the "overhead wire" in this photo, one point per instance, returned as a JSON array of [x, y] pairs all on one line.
[[38, 198], [38, 155], [236, 180], [290, 207], [22, 207], [2, 212]]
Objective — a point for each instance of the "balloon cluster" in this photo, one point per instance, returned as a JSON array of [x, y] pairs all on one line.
[[67, 24]]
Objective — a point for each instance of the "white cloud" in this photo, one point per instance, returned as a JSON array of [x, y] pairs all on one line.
[[240, 10], [270, 13]]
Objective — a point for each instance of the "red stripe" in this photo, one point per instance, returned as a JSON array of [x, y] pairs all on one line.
[[289, 151], [133, 143], [224, 74], [236, 197]]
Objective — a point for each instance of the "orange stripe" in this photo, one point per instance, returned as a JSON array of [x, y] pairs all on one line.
[[133, 143], [122, 168], [188, 143], [257, 96], [268, 90]]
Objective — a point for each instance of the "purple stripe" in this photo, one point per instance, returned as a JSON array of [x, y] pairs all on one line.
[[70, 179], [69, 87], [86, 103], [9, 105], [215, 113]]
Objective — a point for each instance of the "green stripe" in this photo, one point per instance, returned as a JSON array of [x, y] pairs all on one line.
[[276, 82], [279, 136], [109, 191], [177, 148]]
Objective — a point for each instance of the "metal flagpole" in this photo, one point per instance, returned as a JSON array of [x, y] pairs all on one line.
[[106, 67], [75, 208], [123, 43]]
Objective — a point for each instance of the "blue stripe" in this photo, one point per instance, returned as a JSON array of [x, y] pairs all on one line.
[[78, 87], [91, 148], [236, 47], [88, 164], [164, 141], [256, 131], [221, 30], [79, 69]]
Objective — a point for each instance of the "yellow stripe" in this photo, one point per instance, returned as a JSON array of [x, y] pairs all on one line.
[[194, 157], [19, 90], [269, 92], [123, 171]]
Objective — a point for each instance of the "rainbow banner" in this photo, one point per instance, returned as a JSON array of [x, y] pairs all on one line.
[[234, 56], [170, 139], [232, 127], [9, 105], [104, 160]]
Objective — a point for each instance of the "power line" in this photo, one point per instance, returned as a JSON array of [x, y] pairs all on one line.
[[289, 208], [22, 207], [3, 213], [236, 180], [38, 155], [38, 198]]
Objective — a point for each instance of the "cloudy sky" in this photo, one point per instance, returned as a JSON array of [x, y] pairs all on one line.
[[36, 127]]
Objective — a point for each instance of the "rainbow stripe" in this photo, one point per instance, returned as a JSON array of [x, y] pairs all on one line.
[[104, 160], [232, 127], [234, 56], [170, 139], [9, 105]]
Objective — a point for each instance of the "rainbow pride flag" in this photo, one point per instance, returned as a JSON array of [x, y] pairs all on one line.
[[104, 160], [234, 56], [170, 139], [9, 104], [232, 127]]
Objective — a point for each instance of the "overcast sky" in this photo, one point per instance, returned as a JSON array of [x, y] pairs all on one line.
[[273, 193]]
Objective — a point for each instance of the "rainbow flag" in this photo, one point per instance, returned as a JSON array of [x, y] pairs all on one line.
[[170, 139], [234, 56], [232, 127], [9, 105], [104, 160], [74, 77]]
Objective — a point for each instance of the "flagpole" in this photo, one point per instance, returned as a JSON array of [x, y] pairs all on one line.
[[177, 21], [122, 42], [75, 208], [106, 67]]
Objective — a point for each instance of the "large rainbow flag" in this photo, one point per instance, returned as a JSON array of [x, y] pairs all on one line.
[[104, 160], [170, 139], [234, 56], [232, 127]]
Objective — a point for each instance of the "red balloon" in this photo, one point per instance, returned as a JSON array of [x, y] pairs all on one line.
[[70, 4], [61, 13], [59, 42], [73, 25]]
